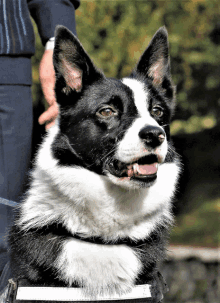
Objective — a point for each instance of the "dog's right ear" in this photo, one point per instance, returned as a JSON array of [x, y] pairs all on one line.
[[154, 64], [72, 63]]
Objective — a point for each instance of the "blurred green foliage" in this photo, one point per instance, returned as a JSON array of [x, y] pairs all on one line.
[[200, 226], [115, 33]]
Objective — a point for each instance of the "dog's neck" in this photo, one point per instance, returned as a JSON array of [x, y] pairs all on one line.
[[91, 204], [99, 240]]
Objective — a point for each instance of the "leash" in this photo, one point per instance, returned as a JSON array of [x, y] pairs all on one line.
[[20, 293], [8, 202]]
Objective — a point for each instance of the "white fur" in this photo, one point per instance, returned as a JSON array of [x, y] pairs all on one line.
[[114, 267], [140, 98]]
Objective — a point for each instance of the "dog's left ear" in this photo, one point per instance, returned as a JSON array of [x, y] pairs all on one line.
[[71, 62], [154, 64]]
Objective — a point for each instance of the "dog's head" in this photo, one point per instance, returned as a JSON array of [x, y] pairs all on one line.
[[116, 128]]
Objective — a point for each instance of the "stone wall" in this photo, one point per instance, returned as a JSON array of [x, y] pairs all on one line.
[[192, 275]]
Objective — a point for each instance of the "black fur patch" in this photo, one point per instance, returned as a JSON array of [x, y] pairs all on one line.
[[84, 138]]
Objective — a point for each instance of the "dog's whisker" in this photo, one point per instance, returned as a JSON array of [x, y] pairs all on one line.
[[173, 150], [110, 152]]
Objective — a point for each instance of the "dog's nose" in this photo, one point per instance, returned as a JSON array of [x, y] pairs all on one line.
[[153, 136]]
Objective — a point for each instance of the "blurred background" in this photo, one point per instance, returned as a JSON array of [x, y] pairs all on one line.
[[115, 33]]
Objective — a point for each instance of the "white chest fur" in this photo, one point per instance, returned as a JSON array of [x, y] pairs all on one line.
[[98, 268]]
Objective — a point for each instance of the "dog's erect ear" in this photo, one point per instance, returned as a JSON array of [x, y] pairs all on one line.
[[154, 63], [72, 62]]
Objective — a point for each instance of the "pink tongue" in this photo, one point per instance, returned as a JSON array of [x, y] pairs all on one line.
[[142, 170]]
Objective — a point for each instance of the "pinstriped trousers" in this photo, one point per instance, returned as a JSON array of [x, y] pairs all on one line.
[[15, 139], [15, 151]]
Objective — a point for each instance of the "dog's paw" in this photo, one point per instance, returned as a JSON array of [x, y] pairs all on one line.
[[99, 269]]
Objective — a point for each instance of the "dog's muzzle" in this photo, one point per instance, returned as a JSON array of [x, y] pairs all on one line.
[[143, 169]]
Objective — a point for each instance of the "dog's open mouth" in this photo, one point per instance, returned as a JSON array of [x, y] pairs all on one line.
[[144, 169]]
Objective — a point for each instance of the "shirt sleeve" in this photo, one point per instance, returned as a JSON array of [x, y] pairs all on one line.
[[49, 13]]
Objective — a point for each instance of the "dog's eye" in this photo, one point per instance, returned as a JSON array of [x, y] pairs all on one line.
[[107, 112], [157, 111]]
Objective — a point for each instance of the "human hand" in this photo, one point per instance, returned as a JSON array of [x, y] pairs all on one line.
[[47, 79]]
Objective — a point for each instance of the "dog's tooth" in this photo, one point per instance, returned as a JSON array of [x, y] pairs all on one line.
[[135, 169]]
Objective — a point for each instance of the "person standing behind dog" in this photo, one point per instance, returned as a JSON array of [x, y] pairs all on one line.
[[16, 48]]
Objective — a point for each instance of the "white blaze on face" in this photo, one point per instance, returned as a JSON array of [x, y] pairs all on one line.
[[132, 147]]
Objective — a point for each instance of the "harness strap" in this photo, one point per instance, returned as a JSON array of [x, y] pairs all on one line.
[[27, 294], [65, 294]]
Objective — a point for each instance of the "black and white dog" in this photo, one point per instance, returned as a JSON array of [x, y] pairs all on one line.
[[99, 205]]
